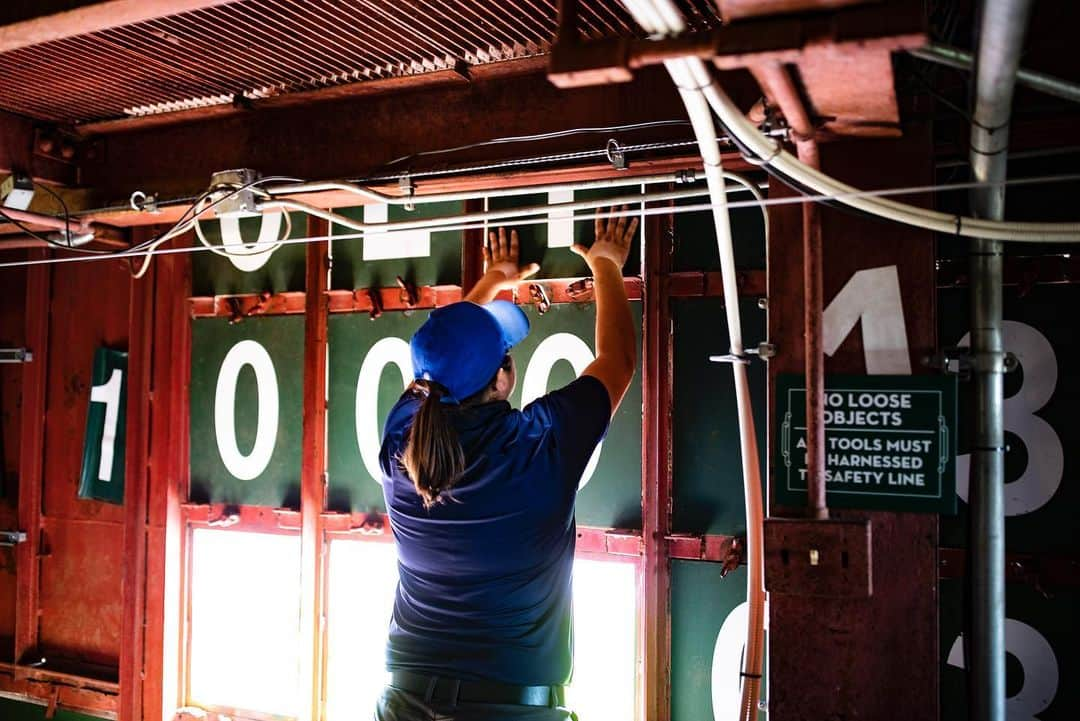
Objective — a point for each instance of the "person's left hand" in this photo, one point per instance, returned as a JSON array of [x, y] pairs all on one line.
[[502, 256]]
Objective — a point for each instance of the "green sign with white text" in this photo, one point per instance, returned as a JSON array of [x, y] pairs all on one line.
[[890, 442], [102, 475]]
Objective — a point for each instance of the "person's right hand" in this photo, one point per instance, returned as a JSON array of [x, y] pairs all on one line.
[[614, 237]]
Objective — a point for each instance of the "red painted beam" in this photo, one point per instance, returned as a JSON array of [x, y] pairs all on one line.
[[31, 451], [141, 318], [710, 284], [655, 699], [313, 473]]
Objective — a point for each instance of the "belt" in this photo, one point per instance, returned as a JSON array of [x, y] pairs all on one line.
[[452, 691]]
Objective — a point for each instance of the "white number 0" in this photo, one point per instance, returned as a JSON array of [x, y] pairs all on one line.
[[252, 353]]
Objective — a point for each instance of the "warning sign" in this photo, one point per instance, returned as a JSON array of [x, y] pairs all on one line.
[[890, 442]]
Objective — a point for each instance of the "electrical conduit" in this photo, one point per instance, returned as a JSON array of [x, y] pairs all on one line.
[[689, 78]]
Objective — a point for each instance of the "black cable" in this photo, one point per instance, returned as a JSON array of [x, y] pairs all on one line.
[[64, 207], [50, 241], [200, 198], [539, 136]]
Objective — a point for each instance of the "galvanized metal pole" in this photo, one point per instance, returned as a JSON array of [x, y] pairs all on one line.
[[1001, 37]]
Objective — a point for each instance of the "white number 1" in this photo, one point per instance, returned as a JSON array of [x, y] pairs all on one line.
[[109, 394]]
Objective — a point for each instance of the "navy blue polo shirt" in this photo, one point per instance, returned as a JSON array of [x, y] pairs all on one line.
[[484, 590]]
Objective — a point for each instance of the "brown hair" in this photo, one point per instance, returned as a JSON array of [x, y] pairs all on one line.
[[432, 456]]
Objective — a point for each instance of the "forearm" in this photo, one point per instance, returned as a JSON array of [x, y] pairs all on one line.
[[615, 338], [487, 287]]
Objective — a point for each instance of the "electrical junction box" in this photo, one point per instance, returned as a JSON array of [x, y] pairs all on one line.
[[17, 191], [234, 192], [818, 558]]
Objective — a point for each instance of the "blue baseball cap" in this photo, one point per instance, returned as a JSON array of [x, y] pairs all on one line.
[[462, 345]]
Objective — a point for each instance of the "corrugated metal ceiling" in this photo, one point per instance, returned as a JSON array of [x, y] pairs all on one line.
[[262, 48]]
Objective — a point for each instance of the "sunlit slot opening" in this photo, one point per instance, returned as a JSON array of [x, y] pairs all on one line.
[[245, 621], [360, 600], [605, 641], [362, 579]]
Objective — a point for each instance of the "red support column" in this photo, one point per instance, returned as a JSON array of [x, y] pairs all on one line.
[[141, 312], [472, 255], [313, 474], [167, 488], [656, 475], [843, 657], [31, 452]]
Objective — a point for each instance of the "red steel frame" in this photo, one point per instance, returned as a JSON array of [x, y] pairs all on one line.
[[158, 520], [651, 548]]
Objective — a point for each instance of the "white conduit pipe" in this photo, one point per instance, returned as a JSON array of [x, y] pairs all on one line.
[[774, 155], [682, 176], [662, 17], [488, 215]]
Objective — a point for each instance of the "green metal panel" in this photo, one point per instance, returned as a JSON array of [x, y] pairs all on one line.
[[890, 442], [221, 460], [708, 485], [1041, 434], [352, 486], [102, 479], [695, 238], [612, 498], [357, 265], [708, 633], [560, 262], [12, 710], [1041, 641], [212, 274]]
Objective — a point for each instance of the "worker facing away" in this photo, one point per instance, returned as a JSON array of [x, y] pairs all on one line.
[[481, 499]]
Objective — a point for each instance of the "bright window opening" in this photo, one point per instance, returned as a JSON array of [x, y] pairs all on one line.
[[605, 641], [245, 621], [360, 600], [362, 578]]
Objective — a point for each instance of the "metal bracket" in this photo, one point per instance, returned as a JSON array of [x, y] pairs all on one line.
[[410, 294], [408, 189], [763, 351], [960, 361], [540, 297], [685, 176], [581, 291], [236, 307], [616, 155], [376, 303], [12, 538], [144, 202], [15, 355], [230, 516], [371, 525]]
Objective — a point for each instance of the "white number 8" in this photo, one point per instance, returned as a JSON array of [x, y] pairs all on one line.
[[1046, 458]]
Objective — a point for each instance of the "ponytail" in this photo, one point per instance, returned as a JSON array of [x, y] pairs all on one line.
[[433, 456]]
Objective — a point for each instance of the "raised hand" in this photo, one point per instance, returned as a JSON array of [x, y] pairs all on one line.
[[503, 256], [614, 237]]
